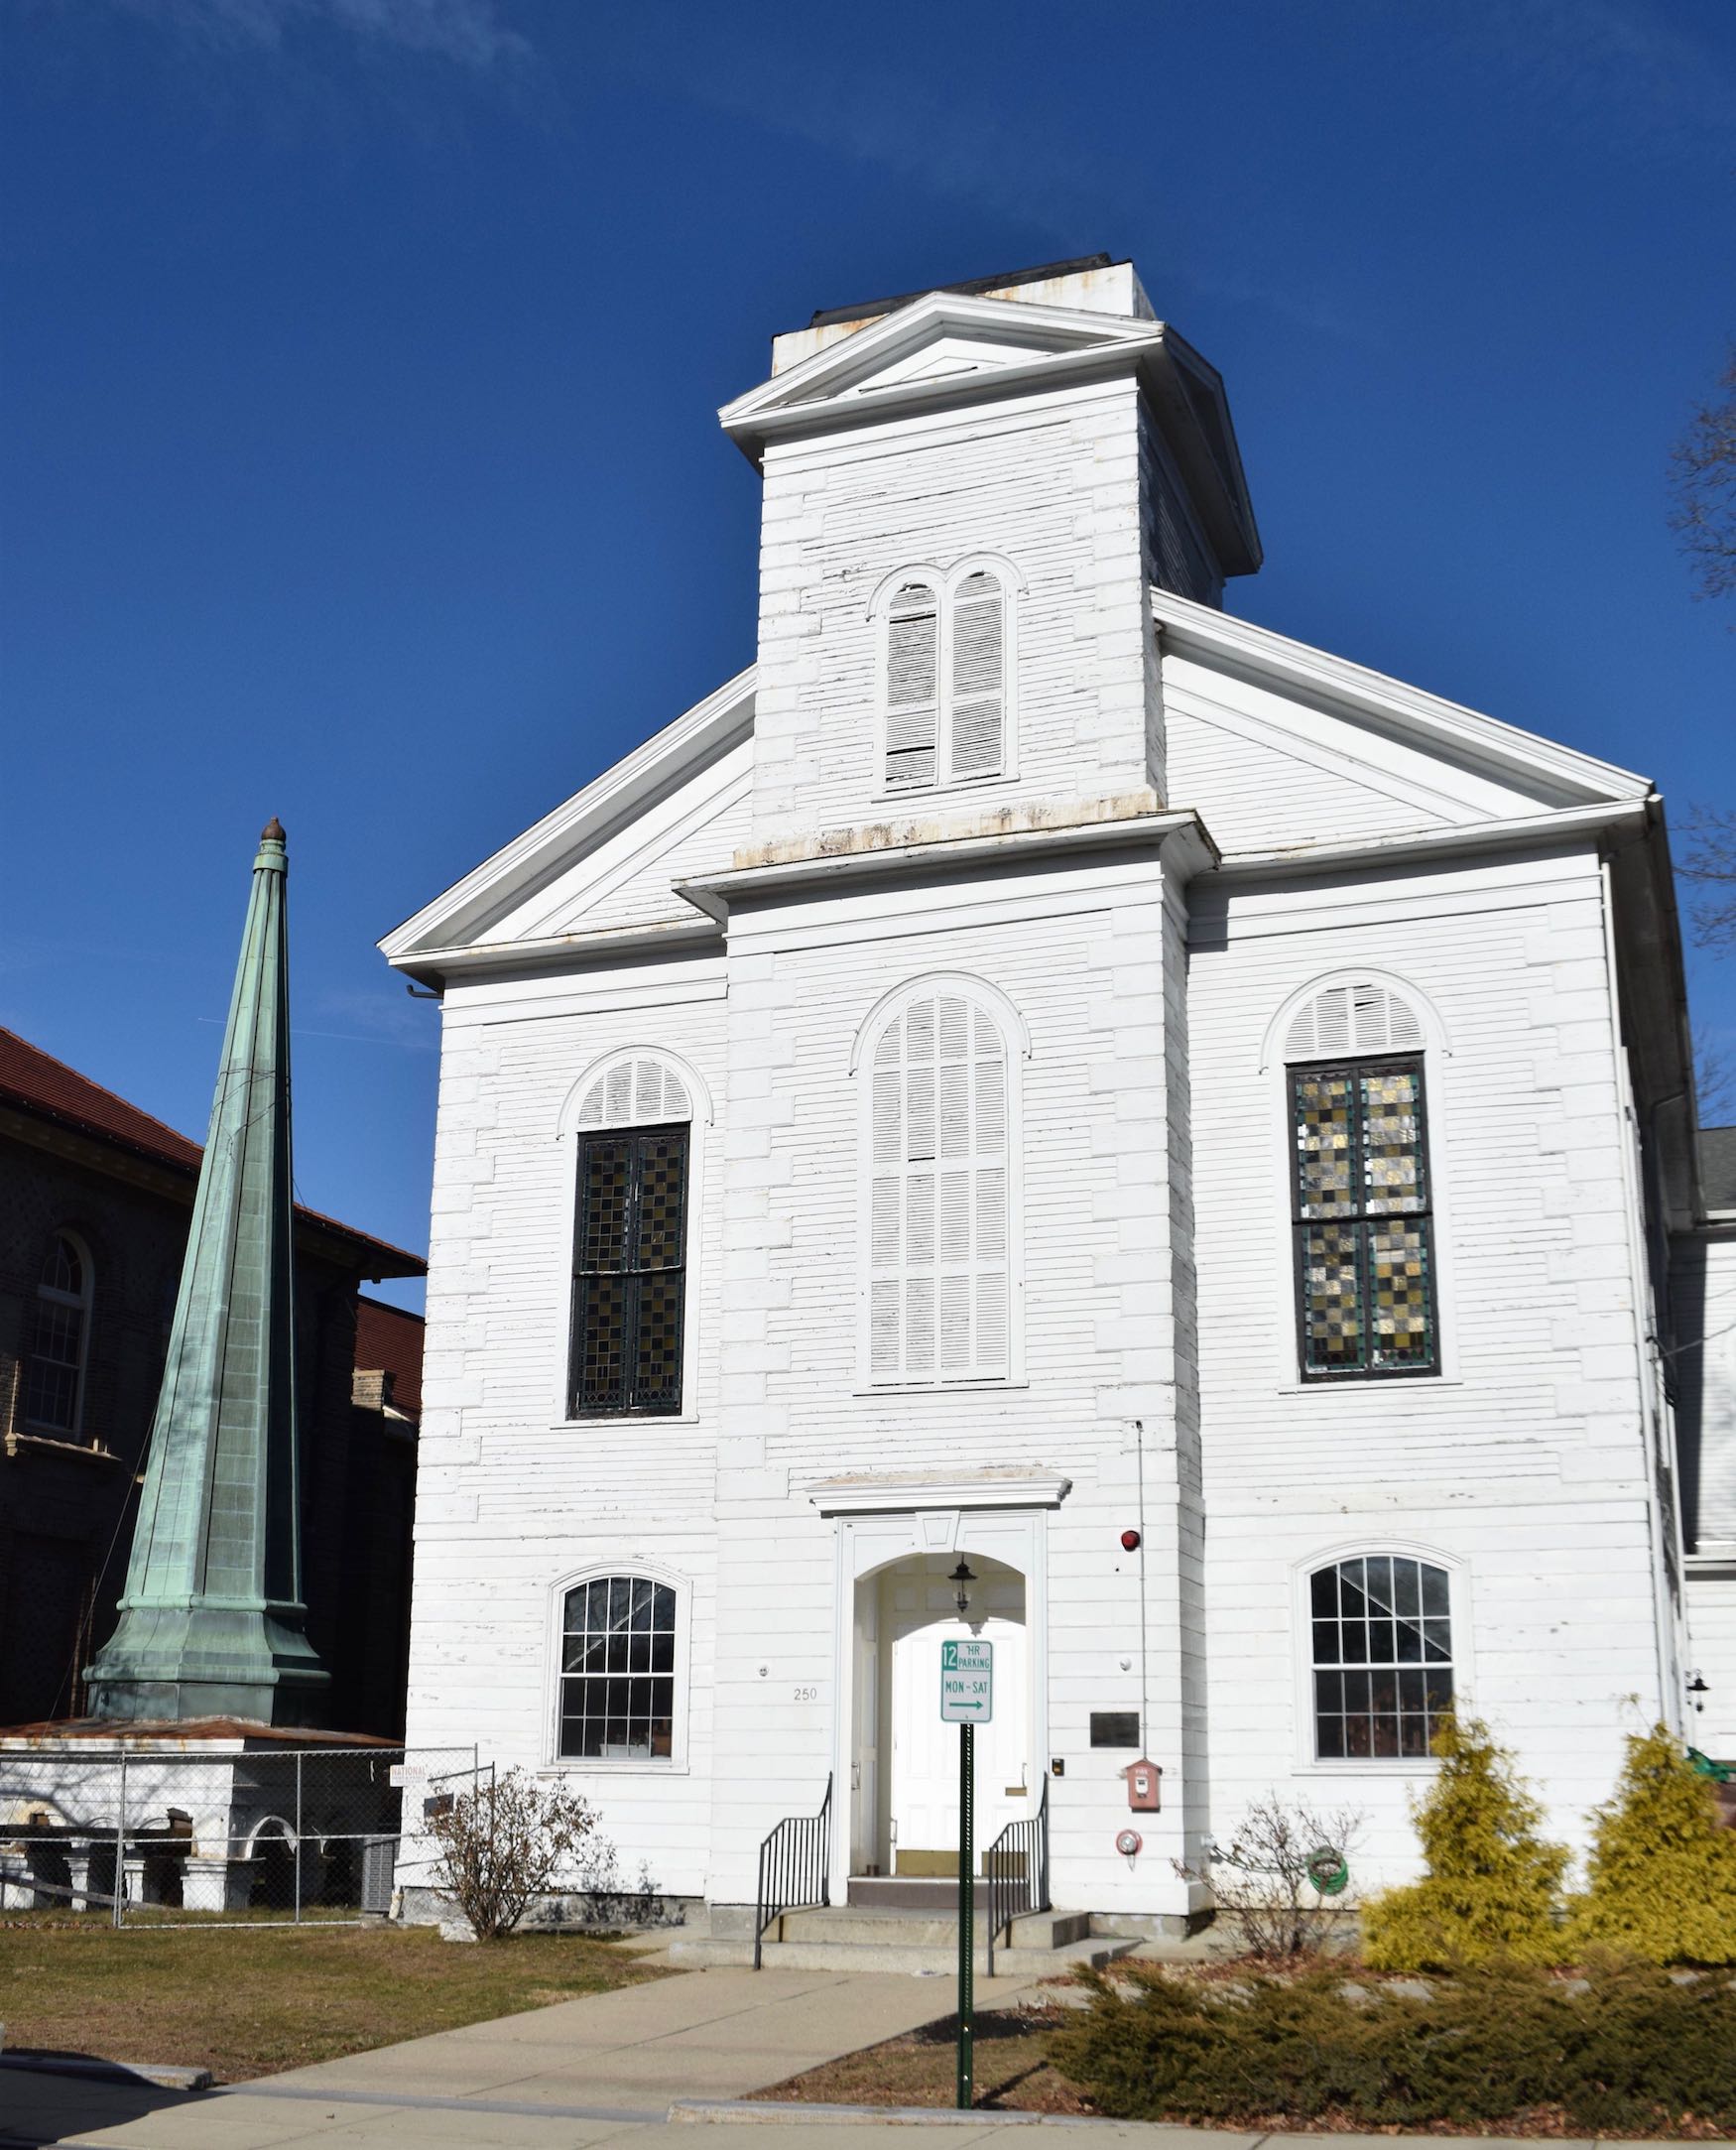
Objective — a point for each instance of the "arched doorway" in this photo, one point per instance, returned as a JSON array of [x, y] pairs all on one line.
[[904, 1818]]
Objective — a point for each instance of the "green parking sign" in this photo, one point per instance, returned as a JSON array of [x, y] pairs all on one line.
[[967, 1683]]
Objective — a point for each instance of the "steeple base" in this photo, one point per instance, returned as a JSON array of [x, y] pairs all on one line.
[[208, 1661]]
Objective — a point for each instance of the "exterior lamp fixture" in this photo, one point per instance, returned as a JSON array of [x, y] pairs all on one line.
[[962, 1575]]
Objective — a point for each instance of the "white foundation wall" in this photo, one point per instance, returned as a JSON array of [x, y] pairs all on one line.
[[513, 1500], [1083, 956], [1051, 483], [1522, 1467]]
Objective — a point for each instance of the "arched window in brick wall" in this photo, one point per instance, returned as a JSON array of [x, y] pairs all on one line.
[[59, 1345], [1361, 1190]]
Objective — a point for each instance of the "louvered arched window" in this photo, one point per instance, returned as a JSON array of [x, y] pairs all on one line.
[[939, 1237], [54, 1399], [946, 676], [1361, 1190], [629, 1242]]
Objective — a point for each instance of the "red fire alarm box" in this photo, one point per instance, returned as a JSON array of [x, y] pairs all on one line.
[[1142, 1786]]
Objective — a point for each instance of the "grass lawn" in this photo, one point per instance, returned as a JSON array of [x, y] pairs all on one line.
[[920, 2069], [248, 2002]]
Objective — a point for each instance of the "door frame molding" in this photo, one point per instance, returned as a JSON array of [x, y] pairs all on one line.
[[875, 1525]]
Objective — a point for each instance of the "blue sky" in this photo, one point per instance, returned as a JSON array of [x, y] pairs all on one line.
[[360, 368]]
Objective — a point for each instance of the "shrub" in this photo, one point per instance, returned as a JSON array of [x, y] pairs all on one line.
[[1634, 2050], [1492, 1884], [1663, 1870], [501, 1847], [1261, 1882]]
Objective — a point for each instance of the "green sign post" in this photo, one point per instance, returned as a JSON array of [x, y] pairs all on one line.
[[968, 1700]]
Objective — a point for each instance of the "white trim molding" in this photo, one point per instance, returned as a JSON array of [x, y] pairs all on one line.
[[869, 1495]]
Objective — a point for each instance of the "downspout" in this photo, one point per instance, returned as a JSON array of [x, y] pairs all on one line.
[[1633, 1195]]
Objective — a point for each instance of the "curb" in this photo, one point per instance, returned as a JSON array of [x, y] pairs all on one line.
[[796, 2112], [161, 2074]]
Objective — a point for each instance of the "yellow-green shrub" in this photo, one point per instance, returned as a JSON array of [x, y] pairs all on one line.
[[1663, 1872], [1492, 1884]]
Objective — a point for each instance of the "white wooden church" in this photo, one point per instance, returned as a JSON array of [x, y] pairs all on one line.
[[1041, 1074]]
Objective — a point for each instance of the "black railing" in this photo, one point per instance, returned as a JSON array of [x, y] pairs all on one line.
[[1016, 1870], [795, 1868]]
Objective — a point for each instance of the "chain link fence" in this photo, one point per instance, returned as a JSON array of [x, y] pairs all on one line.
[[229, 1833]]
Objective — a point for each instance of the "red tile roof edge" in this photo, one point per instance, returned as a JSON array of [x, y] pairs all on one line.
[[38, 1082]]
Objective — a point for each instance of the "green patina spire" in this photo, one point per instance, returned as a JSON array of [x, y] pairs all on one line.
[[212, 1617]]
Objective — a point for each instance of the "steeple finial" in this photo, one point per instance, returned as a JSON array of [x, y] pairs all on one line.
[[273, 831]]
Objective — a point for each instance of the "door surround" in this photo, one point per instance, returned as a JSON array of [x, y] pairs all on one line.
[[1004, 1516]]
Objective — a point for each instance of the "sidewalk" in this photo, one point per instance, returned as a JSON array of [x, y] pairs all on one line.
[[605, 2069], [576, 2072]]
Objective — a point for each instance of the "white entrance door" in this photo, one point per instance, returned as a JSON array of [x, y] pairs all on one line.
[[918, 1615]]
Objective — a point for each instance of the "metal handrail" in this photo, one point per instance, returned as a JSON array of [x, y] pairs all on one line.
[[795, 1868], [1016, 1869]]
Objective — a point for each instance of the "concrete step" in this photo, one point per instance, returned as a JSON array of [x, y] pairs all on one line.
[[896, 1929], [915, 1961]]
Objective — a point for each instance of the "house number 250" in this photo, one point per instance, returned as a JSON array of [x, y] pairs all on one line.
[[807, 1693]]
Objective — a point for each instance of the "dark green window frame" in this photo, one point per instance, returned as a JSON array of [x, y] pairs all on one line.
[[629, 1274], [1365, 1276]]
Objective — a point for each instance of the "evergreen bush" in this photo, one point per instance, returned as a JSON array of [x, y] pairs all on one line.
[[1663, 1870], [1630, 2050], [1492, 1887]]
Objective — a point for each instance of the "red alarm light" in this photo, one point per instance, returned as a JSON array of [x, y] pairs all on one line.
[[1130, 1541]]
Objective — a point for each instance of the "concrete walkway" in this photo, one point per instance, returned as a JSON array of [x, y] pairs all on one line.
[[576, 2072], [605, 2069]]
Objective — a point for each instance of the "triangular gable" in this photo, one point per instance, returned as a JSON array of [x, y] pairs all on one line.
[[986, 332], [666, 792], [1278, 745]]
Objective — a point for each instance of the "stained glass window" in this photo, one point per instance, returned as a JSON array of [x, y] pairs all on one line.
[[1365, 1266], [629, 1284], [617, 1669], [1382, 1657]]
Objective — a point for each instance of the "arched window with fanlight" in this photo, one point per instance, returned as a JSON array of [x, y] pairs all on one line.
[[53, 1395], [1380, 1656], [629, 1242], [945, 670], [618, 1683], [1361, 1189]]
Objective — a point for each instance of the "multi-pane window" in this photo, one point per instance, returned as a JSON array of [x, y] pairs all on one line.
[[618, 1670], [55, 1380], [945, 683], [938, 1253], [1360, 1201], [628, 1282], [1382, 1657]]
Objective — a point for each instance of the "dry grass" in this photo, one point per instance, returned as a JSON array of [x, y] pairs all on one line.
[[251, 2001], [1010, 2067]]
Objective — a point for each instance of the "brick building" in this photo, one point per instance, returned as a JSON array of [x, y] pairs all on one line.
[[94, 1201]]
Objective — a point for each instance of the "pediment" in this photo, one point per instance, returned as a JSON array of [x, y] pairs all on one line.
[[946, 341]]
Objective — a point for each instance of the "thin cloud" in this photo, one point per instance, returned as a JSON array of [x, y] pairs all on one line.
[[469, 33]]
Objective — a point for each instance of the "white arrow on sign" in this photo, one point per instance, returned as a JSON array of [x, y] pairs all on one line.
[[967, 1683]]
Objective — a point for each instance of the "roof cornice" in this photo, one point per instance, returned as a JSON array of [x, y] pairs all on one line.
[[1519, 832], [557, 951], [1191, 629], [1192, 851]]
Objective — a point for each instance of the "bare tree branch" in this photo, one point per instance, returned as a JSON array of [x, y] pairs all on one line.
[[1714, 1083], [1702, 480], [1709, 860]]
